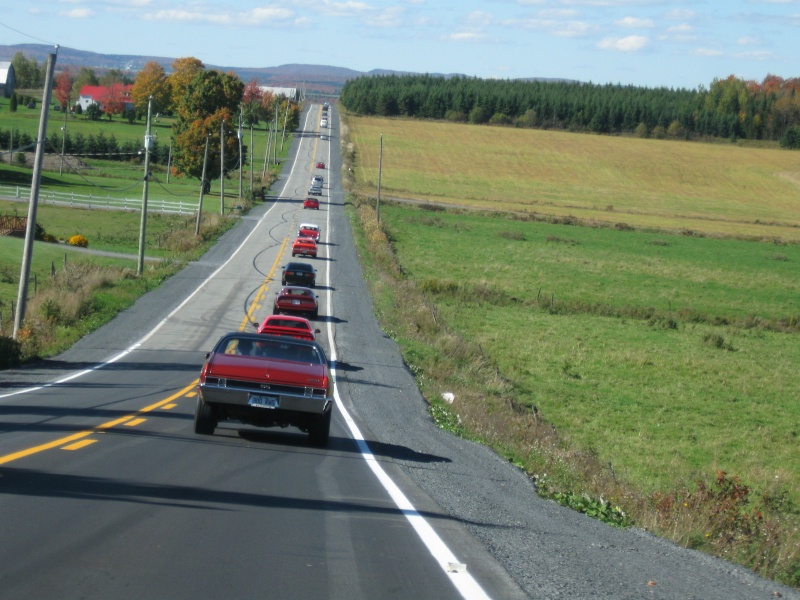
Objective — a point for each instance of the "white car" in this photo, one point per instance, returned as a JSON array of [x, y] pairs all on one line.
[[323, 123]]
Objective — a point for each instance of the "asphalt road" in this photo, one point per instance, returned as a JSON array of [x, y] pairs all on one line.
[[105, 491]]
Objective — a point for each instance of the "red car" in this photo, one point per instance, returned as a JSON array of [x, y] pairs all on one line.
[[311, 203], [304, 246], [296, 299], [320, 165], [296, 327], [309, 230], [266, 381]]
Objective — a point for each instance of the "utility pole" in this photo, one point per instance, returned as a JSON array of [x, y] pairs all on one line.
[[285, 117], [169, 159], [266, 154], [380, 168], [148, 140], [222, 168], [239, 135], [63, 138], [202, 188], [30, 229], [251, 158]]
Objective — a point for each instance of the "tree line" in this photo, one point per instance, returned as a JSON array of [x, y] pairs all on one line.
[[730, 108]]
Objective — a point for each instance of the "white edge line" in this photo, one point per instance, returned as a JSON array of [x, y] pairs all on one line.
[[466, 585]]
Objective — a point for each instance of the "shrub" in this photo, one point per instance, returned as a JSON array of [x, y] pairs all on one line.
[[78, 240]]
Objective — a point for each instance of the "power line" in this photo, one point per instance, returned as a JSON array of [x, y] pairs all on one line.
[[28, 35]]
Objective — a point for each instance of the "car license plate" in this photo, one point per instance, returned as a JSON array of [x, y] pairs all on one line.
[[262, 401], [295, 302]]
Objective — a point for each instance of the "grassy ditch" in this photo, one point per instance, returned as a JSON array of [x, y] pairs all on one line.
[[643, 376], [72, 292]]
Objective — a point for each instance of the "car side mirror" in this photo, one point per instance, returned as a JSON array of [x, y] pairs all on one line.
[[316, 331], [254, 324]]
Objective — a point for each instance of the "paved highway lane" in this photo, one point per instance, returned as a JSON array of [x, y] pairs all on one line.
[[105, 492]]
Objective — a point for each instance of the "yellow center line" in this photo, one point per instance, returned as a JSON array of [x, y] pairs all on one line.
[[98, 429], [262, 290]]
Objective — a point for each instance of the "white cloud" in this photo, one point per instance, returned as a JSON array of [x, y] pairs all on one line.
[[77, 13], [680, 14], [480, 19], [466, 36], [255, 17], [682, 28], [708, 52], [555, 27], [748, 41], [632, 43], [391, 17], [755, 55], [634, 22]]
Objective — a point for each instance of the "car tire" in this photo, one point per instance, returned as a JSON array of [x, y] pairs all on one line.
[[319, 430], [204, 420]]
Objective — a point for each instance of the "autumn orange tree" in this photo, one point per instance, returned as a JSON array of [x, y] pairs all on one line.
[[151, 81], [183, 71]]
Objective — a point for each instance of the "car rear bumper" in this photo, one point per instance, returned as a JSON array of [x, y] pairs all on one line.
[[236, 396]]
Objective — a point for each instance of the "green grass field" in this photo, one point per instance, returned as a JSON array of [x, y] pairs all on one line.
[[715, 188], [649, 354], [617, 316]]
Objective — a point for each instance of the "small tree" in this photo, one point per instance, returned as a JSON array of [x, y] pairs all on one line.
[[12, 105], [93, 112]]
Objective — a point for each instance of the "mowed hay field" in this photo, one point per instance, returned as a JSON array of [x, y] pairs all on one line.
[[715, 188], [667, 354]]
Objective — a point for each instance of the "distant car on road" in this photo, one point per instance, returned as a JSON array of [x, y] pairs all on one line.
[[266, 381], [315, 190], [323, 123], [296, 299], [304, 246], [320, 165], [309, 230], [299, 273], [288, 325], [311, 203]]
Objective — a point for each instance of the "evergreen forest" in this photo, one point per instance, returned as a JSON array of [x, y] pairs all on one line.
[[730, 108]]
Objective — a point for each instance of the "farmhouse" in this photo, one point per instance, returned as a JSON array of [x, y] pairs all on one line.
[[290, 93], [100, 95], [8, 79]]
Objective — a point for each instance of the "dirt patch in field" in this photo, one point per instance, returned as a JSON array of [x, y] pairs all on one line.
[[52, 162]]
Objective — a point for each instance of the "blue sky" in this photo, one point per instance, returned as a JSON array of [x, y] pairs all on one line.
[[653, 43]]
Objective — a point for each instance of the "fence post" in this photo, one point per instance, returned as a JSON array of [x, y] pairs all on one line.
[[52, 270], [65, 260], [34, 284]]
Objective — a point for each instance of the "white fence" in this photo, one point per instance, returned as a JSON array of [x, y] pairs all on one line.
[[15, 192]]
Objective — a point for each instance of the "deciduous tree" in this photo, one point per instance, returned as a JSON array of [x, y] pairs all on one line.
[[151, 81], [183, 71], [63, 89]]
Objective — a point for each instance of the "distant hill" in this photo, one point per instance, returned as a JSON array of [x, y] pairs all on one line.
[[317, 80]]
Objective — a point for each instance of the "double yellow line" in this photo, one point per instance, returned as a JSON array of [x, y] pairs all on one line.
[[71, 442]]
